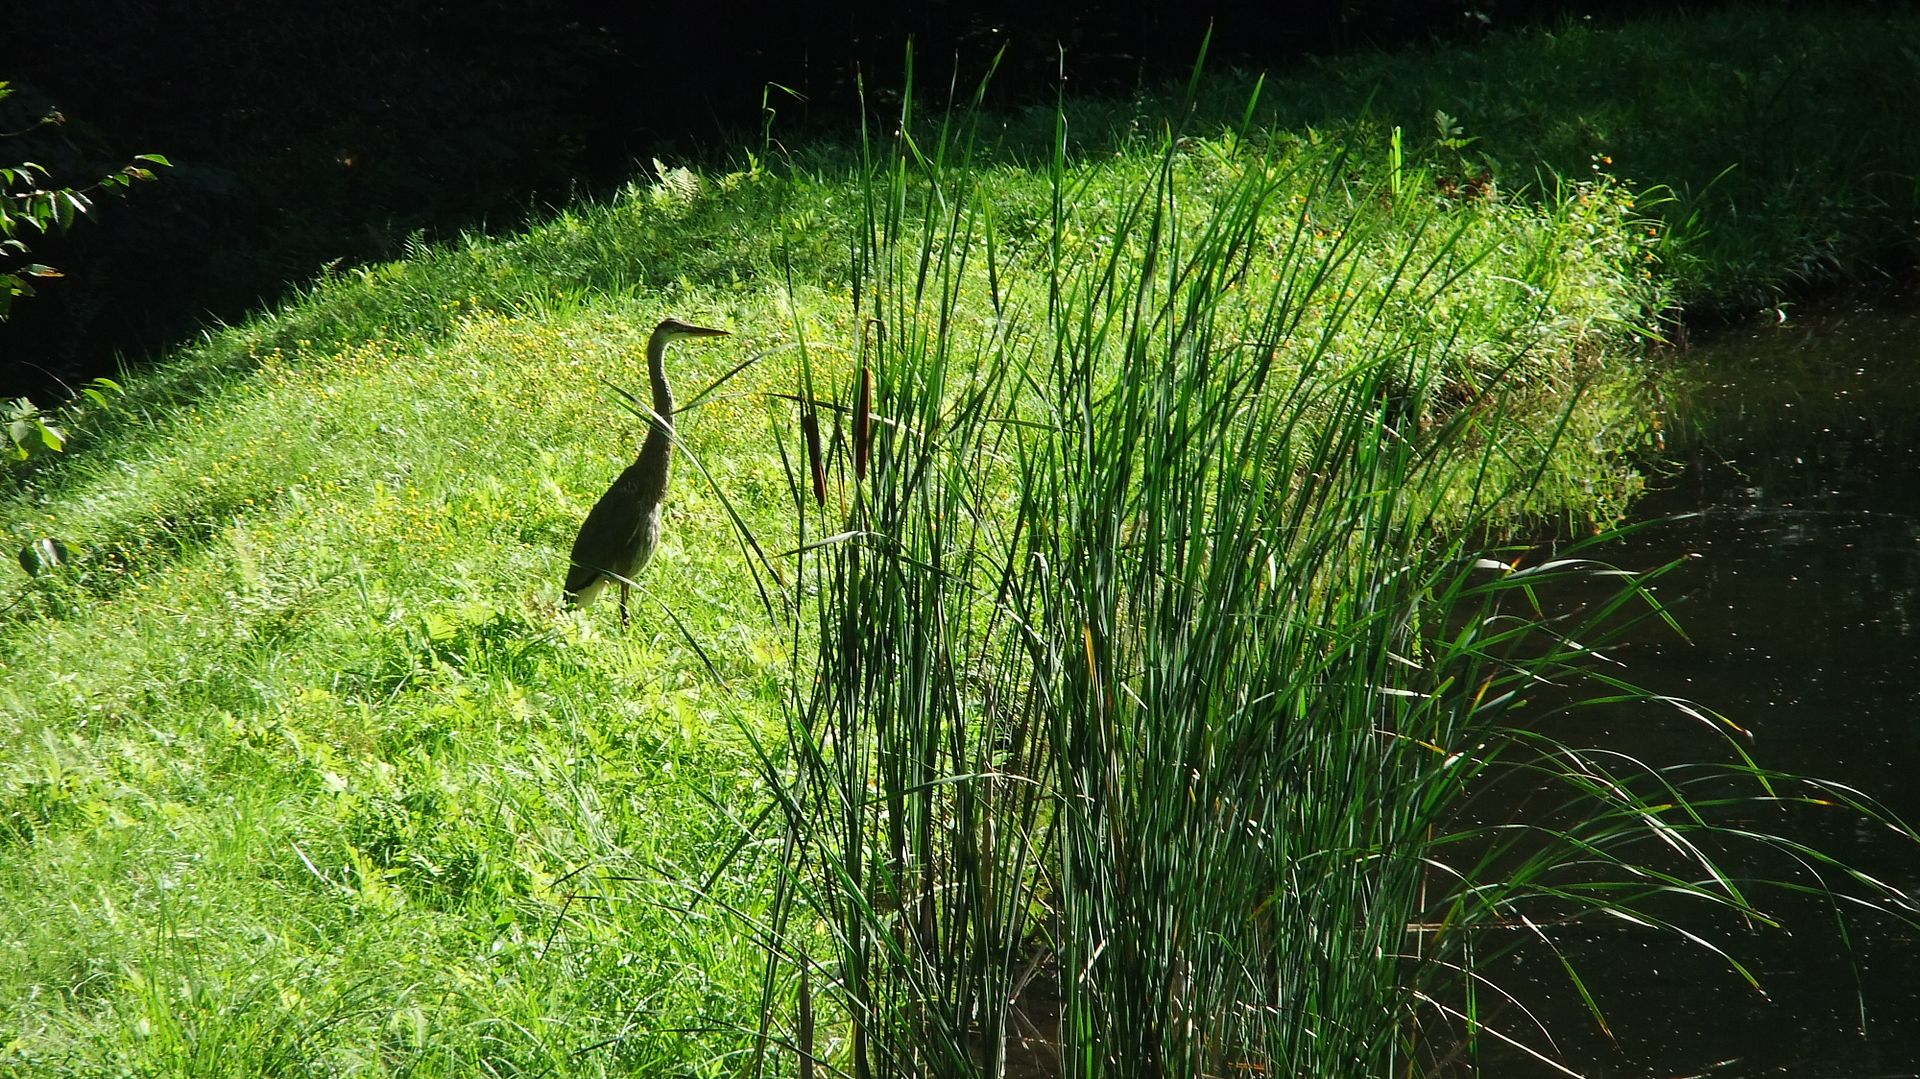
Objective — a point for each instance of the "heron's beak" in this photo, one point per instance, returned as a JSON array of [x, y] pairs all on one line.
[[672, 327]]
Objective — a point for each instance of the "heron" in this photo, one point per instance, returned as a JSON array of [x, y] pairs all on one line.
[[622, 530]]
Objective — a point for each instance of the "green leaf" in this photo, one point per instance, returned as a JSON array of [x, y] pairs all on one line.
[[154, 159], [11, 285], [37, 209], [97, 390]]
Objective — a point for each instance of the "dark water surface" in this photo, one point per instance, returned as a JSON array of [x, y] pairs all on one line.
[[1797, 488]]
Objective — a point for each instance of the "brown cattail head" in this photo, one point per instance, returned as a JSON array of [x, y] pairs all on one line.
[[863, 424], [816, 463]]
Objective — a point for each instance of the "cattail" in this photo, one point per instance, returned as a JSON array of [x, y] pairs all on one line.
[[810, 427], [863, 424]]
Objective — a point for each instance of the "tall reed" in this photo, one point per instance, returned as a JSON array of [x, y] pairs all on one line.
[[1151, 680]]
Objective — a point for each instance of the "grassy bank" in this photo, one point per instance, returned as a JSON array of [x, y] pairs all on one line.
[[1760, 136], [306, 773]]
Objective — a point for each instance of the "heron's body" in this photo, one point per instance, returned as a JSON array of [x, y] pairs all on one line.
[[620, 533], [622, 530]]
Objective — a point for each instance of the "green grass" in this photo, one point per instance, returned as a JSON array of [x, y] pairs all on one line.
[[305, 772], [321, 727]]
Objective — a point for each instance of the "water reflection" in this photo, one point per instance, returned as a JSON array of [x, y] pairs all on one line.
[[1799, 490]]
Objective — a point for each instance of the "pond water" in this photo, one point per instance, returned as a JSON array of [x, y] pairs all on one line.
[[1796, 488]]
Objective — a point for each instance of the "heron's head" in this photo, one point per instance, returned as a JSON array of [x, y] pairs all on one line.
[[673, 329]]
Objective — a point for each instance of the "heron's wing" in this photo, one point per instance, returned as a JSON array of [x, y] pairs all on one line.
[[607, 537]]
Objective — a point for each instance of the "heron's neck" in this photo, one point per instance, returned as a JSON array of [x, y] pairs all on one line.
[[657, 373]]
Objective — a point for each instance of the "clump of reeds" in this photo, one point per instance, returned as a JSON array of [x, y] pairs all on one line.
[[1153, 679]]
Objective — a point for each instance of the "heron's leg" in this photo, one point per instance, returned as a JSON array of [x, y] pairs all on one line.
[[623, 604]]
